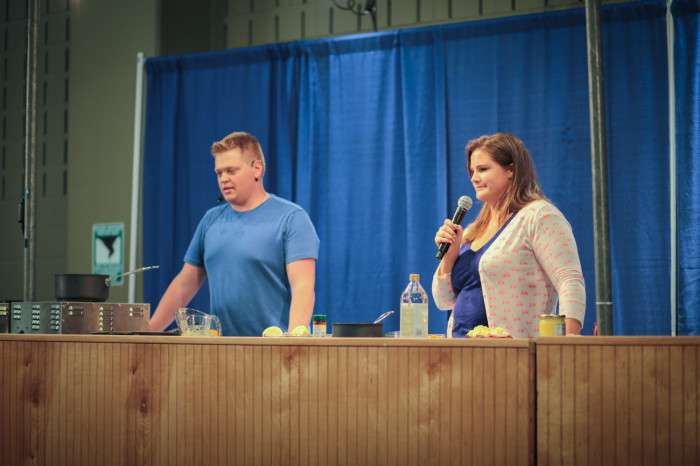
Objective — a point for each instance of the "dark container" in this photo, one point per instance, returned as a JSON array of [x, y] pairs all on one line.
[[81, 287], [358, 330]]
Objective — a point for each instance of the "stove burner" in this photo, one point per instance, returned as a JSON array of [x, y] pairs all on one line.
[[74, 317]]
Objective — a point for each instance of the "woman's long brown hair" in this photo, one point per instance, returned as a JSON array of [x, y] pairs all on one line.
[[505, 149]]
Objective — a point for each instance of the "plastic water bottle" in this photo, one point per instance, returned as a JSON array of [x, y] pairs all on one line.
[[414, 310]]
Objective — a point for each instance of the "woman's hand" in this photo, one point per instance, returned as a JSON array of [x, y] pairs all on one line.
[[573, 327], [449, 233]]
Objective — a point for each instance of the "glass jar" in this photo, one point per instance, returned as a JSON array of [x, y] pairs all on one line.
[[319, 325]]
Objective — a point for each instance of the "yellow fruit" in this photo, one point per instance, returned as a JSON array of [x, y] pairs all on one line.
[[482, 331], [272, 332], [478, 331], [300, 331]]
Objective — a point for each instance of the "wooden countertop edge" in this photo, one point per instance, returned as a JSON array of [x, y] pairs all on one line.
[[622, 341], [389, 342], [269, 341]]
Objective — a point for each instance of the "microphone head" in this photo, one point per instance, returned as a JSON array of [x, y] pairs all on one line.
[[465, 202]]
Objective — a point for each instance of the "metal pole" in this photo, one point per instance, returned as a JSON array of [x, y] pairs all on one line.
[[136, 177], [30, 153], [670, 37], [601, 219]]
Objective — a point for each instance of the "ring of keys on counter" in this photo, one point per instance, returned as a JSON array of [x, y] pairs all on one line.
[[482, 331]]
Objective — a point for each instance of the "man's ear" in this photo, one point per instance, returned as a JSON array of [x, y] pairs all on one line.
[[252, 164]]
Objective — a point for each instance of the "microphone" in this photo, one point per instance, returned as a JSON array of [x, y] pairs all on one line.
[[220, 198], [463, 205]]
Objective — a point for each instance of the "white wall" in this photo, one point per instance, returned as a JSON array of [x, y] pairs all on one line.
[[105, 39]]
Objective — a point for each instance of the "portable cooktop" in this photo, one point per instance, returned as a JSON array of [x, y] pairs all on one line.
[[78, 317]]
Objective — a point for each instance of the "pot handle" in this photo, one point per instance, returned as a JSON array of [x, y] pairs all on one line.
[[109, 280], [383, 316]]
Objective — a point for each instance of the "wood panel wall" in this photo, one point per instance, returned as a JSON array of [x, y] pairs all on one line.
[[156, 400], [616, 400]]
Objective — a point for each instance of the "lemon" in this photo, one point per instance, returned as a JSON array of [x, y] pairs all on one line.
[[479, 331], [482, 331], [272, 332], [500, 332], [300, 331]]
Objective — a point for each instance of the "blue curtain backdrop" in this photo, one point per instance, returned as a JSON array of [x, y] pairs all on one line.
[[687, 59], [367, 133]]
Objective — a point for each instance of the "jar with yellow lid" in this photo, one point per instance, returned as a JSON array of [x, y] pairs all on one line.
[[552, 325]]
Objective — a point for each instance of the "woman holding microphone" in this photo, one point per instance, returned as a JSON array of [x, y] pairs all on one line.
[[517, 259]]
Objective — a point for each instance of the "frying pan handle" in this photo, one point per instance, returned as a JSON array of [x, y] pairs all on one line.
[[383, 316], [109, 280]]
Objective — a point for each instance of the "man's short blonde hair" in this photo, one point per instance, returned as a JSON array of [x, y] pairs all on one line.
[[246, 143]]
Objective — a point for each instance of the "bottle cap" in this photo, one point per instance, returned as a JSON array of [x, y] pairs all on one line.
[[414, 276], [319, 318]]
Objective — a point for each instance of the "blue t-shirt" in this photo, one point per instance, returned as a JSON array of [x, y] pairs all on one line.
[[469, 310], [245, 256]]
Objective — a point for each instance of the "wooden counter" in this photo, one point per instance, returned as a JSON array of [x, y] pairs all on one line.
[[72, 399], [618, 400], [83, 399]]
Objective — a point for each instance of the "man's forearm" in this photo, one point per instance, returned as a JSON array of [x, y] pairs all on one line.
[[302, 276], [165, 312], [301, 308], [179, 294]]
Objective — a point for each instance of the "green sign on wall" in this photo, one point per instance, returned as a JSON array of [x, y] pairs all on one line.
[[108, 250]]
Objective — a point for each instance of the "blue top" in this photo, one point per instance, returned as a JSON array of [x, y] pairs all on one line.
[[469, 310], [245, 256]]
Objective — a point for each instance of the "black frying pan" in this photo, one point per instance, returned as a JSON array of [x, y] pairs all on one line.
[[86, 286], [361, 330], [357, 330]]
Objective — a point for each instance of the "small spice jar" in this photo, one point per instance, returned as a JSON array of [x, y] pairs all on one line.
[[319, 325]]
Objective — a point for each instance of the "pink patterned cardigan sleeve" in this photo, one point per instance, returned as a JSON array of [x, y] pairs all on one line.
[[444, 293]]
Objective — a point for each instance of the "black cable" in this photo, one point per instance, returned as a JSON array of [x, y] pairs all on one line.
[[350, 6], [370, 9], [373, 12]]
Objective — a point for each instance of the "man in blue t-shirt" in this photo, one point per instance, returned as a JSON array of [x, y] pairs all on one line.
[[258, 251]]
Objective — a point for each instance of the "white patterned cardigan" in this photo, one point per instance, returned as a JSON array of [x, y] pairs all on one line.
[[533, 263]]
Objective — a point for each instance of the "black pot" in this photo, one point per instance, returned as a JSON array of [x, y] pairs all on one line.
[[87, 286], [358, 330], [81, 287]]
